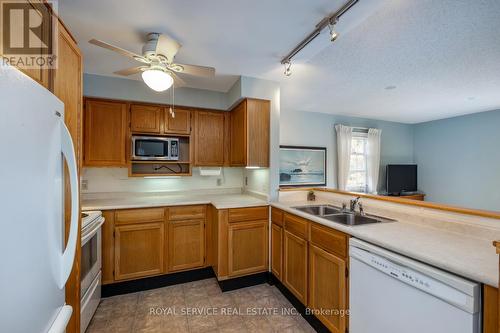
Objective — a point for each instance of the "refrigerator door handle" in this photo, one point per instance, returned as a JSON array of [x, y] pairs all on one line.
[[69, 252]]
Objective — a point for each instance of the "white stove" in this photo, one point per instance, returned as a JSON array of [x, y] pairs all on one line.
[[91, 258]]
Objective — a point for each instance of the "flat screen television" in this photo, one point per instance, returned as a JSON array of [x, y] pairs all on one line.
[[401, 178]]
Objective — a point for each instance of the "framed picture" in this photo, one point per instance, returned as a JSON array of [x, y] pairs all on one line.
[[302, 166]]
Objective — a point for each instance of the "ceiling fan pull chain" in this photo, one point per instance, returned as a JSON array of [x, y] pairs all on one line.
[[171, 110]]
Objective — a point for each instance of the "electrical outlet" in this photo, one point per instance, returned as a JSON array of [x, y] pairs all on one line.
[[84, 185], [219, 182], [246, 181]]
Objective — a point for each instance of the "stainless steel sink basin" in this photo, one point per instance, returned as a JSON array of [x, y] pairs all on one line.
[[336, 214], [319, 210], [352, 219]]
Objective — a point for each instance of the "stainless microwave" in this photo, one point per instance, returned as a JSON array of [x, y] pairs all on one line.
[[152, 148]]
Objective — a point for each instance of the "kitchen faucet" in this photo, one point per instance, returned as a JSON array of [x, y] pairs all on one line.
[[354, 203]]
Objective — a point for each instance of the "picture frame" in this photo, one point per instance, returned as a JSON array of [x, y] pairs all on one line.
[[302, 166]]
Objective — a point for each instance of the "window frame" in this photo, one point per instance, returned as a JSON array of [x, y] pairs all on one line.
[[361, 189]]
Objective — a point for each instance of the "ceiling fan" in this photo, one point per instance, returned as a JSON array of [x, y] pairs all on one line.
[[159, 71]]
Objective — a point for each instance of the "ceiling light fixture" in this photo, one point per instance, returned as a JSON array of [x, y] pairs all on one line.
[[288, 68], [333, 34], [157, 79]]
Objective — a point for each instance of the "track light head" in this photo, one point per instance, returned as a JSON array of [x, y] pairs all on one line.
[[288, 68], [333, 34]]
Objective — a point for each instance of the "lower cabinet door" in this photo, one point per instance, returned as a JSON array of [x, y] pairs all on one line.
[[186, 244], [276, 250], [328, 288], [247, 247], [139, 250], [295, 265]]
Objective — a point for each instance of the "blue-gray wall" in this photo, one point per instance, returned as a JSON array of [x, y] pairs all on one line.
[[133, 90], [317, 129], [459, 160]]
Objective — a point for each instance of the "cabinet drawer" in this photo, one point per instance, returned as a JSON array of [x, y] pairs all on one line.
[[249, 214], [296, 225], [186, 213], [328, 239], [277, 216], [128, 216]]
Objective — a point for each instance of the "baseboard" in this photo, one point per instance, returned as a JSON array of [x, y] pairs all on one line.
[[301, 308], [244, 281], [154, 282]]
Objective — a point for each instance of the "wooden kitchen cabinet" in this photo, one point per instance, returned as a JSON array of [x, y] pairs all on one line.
[[145, 118], [277, 242], [180, 124], [186, 244], [247, 247], [249, 133], [295, 265], [139, 250], [105, 133], [328, 288], [209, 138], [67, 86], [41, 74], [276, 250], [239, 241]]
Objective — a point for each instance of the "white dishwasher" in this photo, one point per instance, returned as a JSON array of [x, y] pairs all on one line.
[[390, 293]]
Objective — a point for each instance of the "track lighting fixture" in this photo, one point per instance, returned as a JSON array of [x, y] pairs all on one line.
[[288, 68], [333, 34], [330, 21]]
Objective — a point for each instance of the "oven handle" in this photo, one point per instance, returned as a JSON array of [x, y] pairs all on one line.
[[68, 255], [88, 235]]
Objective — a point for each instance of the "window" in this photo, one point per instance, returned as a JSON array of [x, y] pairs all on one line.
[[358, 174]]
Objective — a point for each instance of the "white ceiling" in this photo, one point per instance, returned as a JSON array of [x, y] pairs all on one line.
[[442, 56]]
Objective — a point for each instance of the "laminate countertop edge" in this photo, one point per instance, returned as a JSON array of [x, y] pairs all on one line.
[[219, 201], [472, 258]]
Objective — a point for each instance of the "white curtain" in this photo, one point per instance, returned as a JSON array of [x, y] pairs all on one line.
[[373, 159], [344, 139]]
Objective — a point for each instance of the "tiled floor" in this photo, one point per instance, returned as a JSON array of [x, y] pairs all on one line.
[[260, 308]]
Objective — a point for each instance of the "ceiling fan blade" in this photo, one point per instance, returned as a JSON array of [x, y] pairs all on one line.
[[167, 46], [178, 82], [197, 70], [117, 49], [130, 71]]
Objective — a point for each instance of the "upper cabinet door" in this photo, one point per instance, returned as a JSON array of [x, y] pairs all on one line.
[[105, 133], [68, 86], [180, 123], [145, 118], [238, 151], [209, 138], [38, 73], [258, 127], [250, 126]]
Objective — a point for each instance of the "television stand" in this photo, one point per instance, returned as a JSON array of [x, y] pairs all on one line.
[[418, 196], [411, 196]]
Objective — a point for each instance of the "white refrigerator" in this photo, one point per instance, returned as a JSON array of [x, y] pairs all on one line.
[[35, 263]]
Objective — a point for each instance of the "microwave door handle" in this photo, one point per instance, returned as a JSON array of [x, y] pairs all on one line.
[[68, 255]]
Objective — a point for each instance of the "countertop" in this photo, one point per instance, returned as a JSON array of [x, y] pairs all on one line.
[[142, 200], [470, 257]]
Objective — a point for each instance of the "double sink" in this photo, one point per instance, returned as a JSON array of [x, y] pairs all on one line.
[[338, 215]]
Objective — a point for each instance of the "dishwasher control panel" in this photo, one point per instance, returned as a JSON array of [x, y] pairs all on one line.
[[398, 272]]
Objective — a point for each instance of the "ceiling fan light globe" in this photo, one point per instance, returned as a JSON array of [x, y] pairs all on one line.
[[157, 80]]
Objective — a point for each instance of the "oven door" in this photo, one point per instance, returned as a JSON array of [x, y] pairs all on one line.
[[91, 254], [150, 148]]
